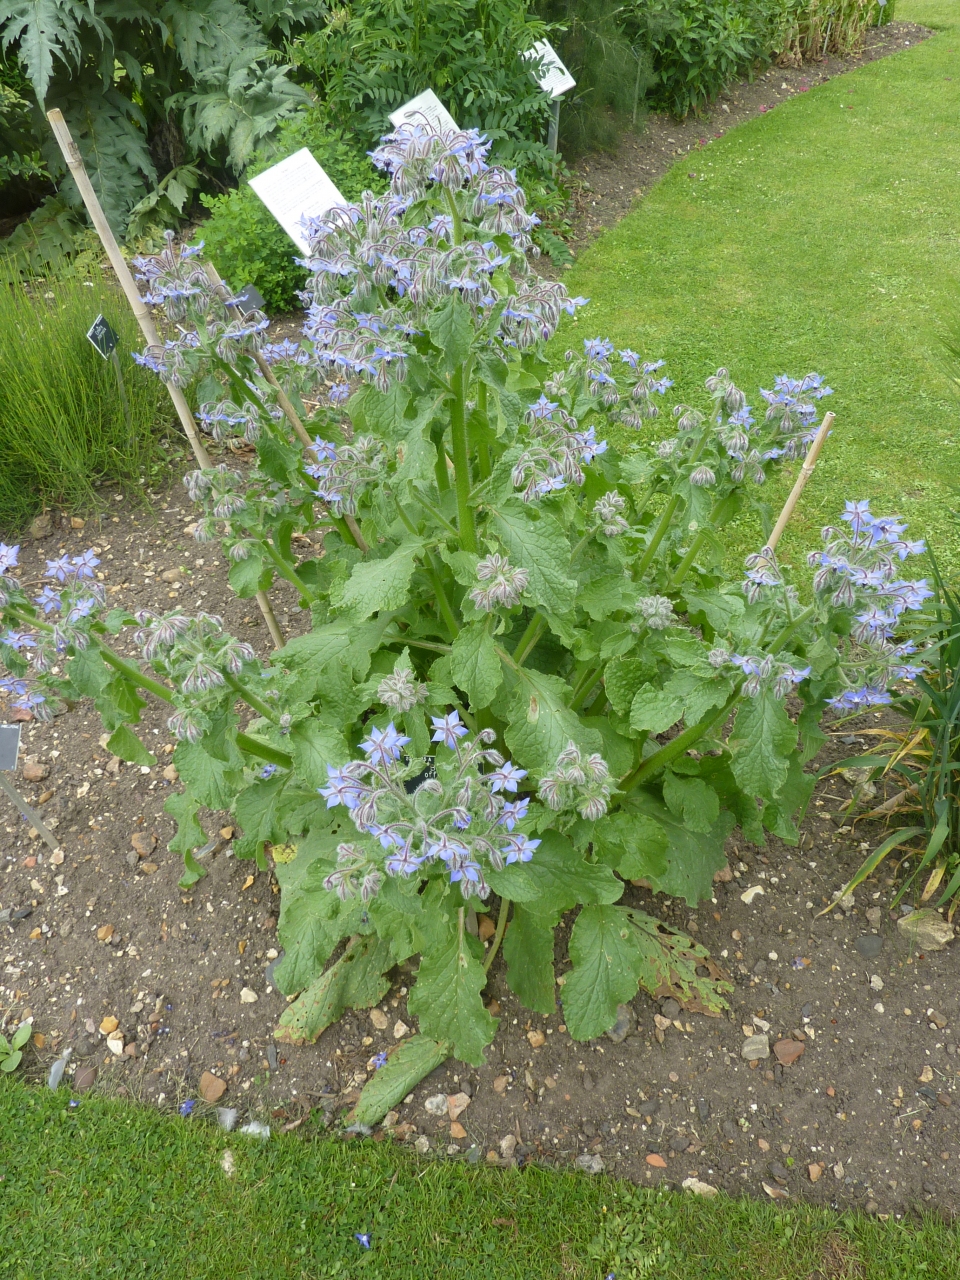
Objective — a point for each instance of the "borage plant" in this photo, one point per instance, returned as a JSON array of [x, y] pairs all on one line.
[[527, 680]]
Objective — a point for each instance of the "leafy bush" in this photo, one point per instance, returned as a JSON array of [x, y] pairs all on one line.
[[527, 674], [610, 61], [373, 55], [244, 240], [148, 88], [63, 429], [699, 46]]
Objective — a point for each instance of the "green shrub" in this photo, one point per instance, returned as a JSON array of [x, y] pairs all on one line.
[[699, 46], [243, 239], [374, 55], [63, 429]]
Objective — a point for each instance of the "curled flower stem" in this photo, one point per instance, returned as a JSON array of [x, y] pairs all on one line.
[[461, 460], [505, 904]]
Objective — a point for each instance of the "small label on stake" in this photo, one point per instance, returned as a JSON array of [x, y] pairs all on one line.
[[425, 108], [249, 299], [102, 336], [553, 77], [9, 746]]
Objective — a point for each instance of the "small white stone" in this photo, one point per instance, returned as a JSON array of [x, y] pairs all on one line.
[[878, 1007], [379, 1019], [422, 1144], [247, 996], [699, 1188], [772, 955], [876, 983], [750, 894], [115, 1043], [437, 1105], [400, 1030]]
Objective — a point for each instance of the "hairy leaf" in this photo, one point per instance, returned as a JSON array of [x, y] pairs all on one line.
[[355, 981], [124, 743], [528, 951], [408, 1064], [475, 666], [606, 970], [692, 856], [446, 998], [379, 584], [540, 546], [762, 741], [541, 724]]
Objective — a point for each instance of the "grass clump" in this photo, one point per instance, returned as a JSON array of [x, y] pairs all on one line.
[[63, 427]]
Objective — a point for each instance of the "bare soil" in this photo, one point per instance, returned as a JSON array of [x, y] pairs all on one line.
[[867, 1116]]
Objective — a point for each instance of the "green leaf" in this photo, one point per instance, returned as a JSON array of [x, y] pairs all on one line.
[[355, 981], [563, 879], [211, 780], [88, 673], [722, 611], [537, 542], [762, 742], [475, 666], [123, 742], [668, 965], [11, 1061], [21, 1035], [397, 913], [447, 1000], [257, 810], [310, 654], [190, 835], [606, 595], [244, 576], [633, 844], [655, 709], [691, 800], [451, 329], [622, 679], [379, 585], [528, 951], [313, 746], [692, 856], [312, 922], [541, 724], [606, 970], [407, 1065]]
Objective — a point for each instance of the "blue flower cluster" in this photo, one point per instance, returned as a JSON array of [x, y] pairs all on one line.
[[461, 820]]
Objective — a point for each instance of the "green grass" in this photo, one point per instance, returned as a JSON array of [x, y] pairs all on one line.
[[820, 238], [63, 429], [113, 1190]]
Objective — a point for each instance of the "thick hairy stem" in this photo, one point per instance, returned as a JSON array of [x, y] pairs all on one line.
[[455, 215], [528, 641], [285, 570], [270, 618], [271, 754], [659, 533], [443, 604], [251, 699], [483, 449], [585, 686], [131, 672], [355, 533], [461, 460], [505, 904], [678, 745]]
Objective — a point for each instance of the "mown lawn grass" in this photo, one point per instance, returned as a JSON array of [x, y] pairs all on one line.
[[109, 1189], [822, 236]]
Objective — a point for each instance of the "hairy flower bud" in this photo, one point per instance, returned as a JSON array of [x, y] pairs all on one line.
[[400, 691]]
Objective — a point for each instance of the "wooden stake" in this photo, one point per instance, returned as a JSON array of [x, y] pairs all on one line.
[[139, 308], [806, 471], [141, 311]]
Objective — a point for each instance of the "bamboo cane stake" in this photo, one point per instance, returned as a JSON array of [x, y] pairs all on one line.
[[141, 311], [139, 308], [806, 471]]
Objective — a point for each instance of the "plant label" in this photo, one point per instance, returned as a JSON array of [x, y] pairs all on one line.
[[294, 189], [249, 299], [102, 336], [553, 77], [9, 746], [429, 771], [427, 107]]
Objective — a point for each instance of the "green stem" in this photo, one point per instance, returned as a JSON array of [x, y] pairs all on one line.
[[446, 612], [585, 687], [483, 449], [461, 459], [428, 506], [343, 529], [684, 566], [432, 645], [505, 904], [131, 672], [678, 745], [455, 215], [528, 641], [251, 699], [260, 749], [285, 571], [440, 466], [659, 533]]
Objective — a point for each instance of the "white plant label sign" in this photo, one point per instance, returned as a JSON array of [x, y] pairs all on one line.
[[554, 78], [425, 105], [295, 188]]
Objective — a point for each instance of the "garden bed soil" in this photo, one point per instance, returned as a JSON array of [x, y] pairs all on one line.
[[606, 186], [867, 1116]]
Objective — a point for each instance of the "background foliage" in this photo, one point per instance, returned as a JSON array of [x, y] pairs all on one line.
[[63, 430]]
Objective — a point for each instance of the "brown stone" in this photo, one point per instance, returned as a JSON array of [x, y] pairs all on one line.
[[457, 1130], [500, 1084], [85, 1078], [486, 928], [144, 842], [457, 1103], [723, 876], [536, 1038], [148, 868], [105, 932], [108, 1025], [788, 1051], [212, 1088], [813, 1172], [658, 1162], [33, 771]]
